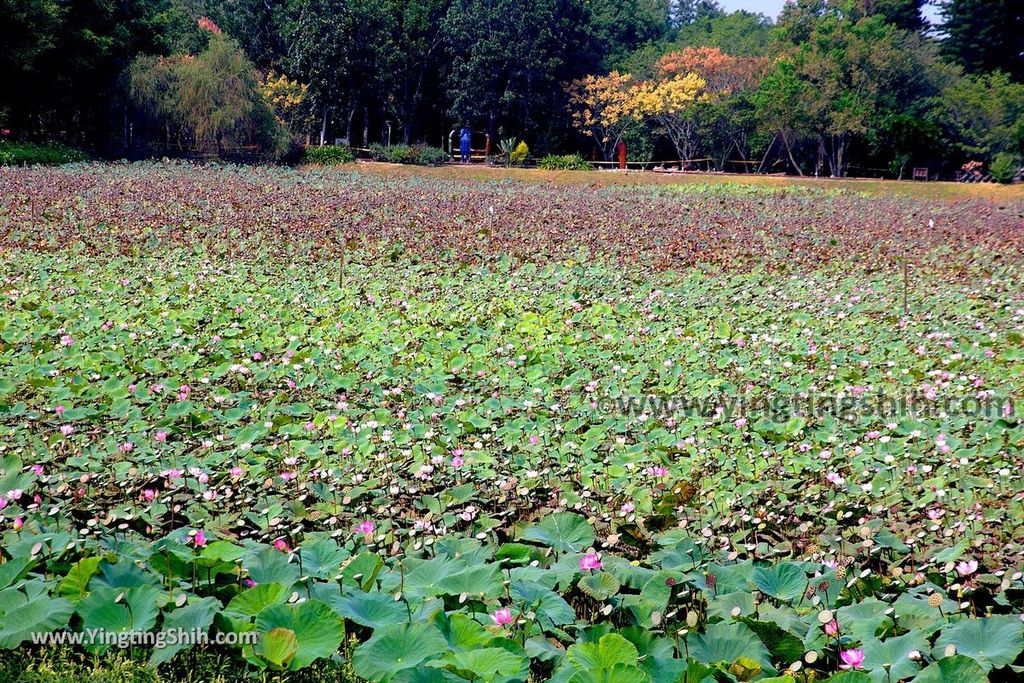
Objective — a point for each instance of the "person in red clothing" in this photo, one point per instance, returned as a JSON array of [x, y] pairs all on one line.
[[620, 151]]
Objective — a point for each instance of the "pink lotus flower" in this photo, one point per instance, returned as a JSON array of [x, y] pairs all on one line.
[[832, 629], [199, 539], [67, 340], [126, 447], [966, 567], [161, 436], [281, 545], [18, 523], [37, 470], [740, 423], [590, 561], [148, 495], [502, 616], [66, 430], [852, 659], [59, 410], [457, 461], [236, 472], [366, 527]]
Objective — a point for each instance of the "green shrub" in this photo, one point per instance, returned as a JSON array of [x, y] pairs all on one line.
[[1003, 168], [328, 155], [402, 154], [422, 155], [431, 156], [564, 162], [18, 153]]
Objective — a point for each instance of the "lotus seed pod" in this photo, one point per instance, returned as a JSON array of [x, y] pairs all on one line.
[[825, 616], [934, 600], [840, 572]]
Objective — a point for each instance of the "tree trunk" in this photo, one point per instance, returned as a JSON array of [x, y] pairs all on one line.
[[348, 128], [323, 127], [366, 126], [789, 152], [771, 144]]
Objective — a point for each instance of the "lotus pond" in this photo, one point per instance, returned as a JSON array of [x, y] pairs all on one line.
[[422, 429]]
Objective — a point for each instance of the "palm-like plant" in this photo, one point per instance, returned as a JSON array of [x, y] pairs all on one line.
[[507, 146]]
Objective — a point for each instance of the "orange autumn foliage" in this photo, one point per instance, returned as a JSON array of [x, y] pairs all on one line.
[[722, 73]]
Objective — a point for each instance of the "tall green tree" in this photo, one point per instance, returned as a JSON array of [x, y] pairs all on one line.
[[60, 62], [417, 47], [742, 34], [984, 115], [509, 59], [688, 12], [985, 35], [858, 72], [322, 35], [904, 14], [618, 27]]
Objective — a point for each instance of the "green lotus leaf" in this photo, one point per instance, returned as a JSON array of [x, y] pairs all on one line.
[[114, 610], [784, 581], [956, 669], [619, 673], [277, 647], [550, 607], [195, 617], [395, 648], [23, 617], [318, 630], [251, 601], [370, 609], [487, 663], [728, 642], [363, 570], [993, 642], [892, 656], [599, 585], [609, 650], [75, 584], [479, 580], [564, 532], [268, 565]]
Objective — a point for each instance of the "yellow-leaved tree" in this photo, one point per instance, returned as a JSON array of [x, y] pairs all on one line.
[[287, 98], [670, 102], [602, 108]]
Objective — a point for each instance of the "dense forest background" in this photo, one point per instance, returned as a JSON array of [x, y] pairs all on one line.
[[832, 87]]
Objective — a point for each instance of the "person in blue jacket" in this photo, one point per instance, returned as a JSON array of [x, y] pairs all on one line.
[[464, 136]]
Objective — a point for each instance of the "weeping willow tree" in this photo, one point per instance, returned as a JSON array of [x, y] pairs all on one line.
[[210, 102]]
